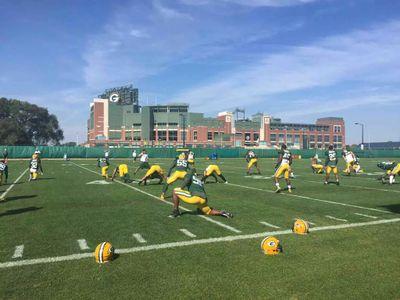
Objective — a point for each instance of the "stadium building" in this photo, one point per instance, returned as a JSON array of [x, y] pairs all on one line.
[[116, 118]]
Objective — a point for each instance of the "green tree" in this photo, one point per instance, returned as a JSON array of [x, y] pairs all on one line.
[[22, 123]]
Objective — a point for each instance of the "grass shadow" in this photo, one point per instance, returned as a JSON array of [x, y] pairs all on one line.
[[394, 208], [11, 212], [7, 199]]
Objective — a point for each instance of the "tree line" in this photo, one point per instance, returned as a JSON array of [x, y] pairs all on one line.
[[23, 123]]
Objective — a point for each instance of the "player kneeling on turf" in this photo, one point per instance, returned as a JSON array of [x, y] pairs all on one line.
[[194, 193], [213, 170], [316, 165], [155, 171], [122, 170]]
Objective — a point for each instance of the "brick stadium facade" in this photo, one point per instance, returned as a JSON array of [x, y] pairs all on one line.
[[119, 120]]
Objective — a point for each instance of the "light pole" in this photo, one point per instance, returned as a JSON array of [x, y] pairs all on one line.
[[362, 134], [183, 130]]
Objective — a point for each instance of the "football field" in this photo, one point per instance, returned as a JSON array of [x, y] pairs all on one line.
[[50, 228]]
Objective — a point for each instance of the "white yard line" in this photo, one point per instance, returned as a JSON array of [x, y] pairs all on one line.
[[2, 197], [337, 219], [158, 198], [83, 244], [187, 233], [367, 216], [268, 224], [356, 186], [313, 199], [19, 251], [139, 238], [231, 238]]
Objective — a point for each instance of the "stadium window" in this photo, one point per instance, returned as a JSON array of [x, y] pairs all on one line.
[[162, 135], [173, 109], [296, 138], [209, 136], [195, 135], [337, 128], [272, 137], [215, 135], [173, 135], [289, 138], [281, 138], [172, 124], [339, 139], [319, 138], [256, 136], [312, 138], [326, 138]]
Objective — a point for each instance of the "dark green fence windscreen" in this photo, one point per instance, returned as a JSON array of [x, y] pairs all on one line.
[[95, 152]]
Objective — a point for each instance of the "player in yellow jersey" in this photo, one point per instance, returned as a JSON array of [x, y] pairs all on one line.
[[103, 164], [393, 173], [214, 171], [283, 168], [252, 161], [123, 173], [155, 171], [316, 165]]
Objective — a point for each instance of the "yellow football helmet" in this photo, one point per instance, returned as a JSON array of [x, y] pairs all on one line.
[[271, 245], [300, 226], [104, 252], [182, 155]]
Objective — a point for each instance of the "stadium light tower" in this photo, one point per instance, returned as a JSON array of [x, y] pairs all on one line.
[[362, 134], [184, 129]]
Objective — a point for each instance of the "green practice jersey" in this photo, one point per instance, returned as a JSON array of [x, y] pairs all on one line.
[[194, 185], [331, 158]]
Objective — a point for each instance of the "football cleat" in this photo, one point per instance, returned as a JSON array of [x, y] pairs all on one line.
[[175, 213], [104, 252], [300, 226], [271, 246], [326, 182], [337, 182], [278, 190], [162, 197], [226, 214]]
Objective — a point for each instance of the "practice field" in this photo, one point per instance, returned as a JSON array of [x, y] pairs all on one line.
[[49, 229]]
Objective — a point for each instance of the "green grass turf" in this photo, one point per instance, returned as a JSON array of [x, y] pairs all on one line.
[[48, 216]]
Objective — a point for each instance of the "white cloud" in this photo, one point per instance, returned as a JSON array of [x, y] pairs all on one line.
[[357, 56], [169, 13]]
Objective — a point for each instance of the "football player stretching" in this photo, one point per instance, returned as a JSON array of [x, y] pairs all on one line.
[[214, 171], [252, 161], [192, 192], [155, 171], [331, 162], [181, 166], [283, 167]]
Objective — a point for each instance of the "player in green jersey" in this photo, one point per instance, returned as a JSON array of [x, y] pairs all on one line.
[[331, 162]]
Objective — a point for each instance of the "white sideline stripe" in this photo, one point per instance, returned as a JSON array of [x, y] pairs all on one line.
[[229, 238], [358, 187], [313, 199], [139, 238], [2, 197], [268, 224], [19, 250], [337, 219], [158, 198], [367, 216], [83, 244], [187, 233]]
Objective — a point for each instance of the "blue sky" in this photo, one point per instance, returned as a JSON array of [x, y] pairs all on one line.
[[293, 59]]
